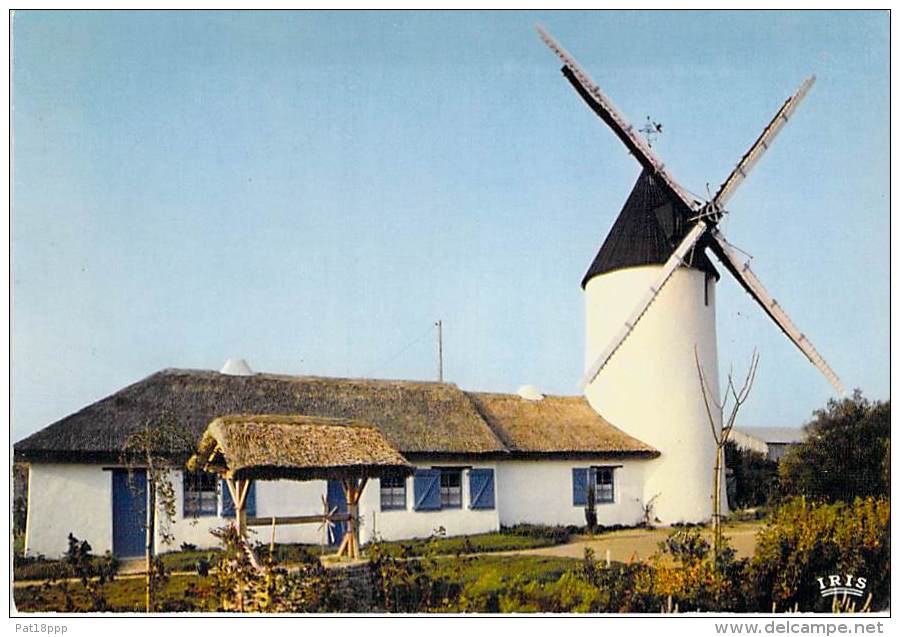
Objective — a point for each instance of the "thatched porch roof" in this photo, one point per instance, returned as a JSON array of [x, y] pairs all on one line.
[[274, 447]]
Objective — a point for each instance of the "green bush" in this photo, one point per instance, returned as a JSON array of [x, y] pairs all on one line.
[[805, 541], [238, 586], [590, 588], [556, 534], [755, 477], [407, 582], [846, 454], [78, 562]]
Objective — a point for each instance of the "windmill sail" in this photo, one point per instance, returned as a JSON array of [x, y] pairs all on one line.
[[604, 108], [762, 143], [677, 259], [742, 272]]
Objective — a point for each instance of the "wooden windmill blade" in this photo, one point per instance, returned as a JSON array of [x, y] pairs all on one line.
[[606, 110], [731, 259], [678, 257], [762, 143]]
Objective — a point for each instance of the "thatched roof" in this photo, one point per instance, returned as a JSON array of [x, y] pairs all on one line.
[[559, 425], [416, 418], [273, 447]]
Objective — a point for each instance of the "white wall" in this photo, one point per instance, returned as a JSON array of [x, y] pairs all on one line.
[[68, 498], [650, 387], [77, 498], [273, 498], [540, 492], [74, 498], [404, 524]]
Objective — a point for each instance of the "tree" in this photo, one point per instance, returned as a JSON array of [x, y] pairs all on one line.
[[721, 430], [846, 453], [154, 449]]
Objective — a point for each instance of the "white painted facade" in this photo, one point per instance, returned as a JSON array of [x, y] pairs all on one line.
[[540, 492], [535, 491], [68, 498], [650, 388], [404, 524]]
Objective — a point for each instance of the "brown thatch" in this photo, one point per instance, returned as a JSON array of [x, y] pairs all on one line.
[[273, 447], [415, 417], [555, 425], [420, 419]]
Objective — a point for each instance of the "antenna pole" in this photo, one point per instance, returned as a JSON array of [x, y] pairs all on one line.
[[440, 342]]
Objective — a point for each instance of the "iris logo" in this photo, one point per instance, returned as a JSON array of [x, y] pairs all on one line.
[[841, 585]]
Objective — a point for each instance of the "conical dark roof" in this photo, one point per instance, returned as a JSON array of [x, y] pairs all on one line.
[[647, 231]]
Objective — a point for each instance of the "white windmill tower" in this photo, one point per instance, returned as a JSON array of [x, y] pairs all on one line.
[[644, 378]]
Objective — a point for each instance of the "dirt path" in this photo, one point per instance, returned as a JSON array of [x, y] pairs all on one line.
[[637, 544]]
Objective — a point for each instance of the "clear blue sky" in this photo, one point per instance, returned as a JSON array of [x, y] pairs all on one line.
[[311, 191]]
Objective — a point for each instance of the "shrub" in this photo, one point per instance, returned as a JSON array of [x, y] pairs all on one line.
[[556, 534], [846, 454], [683, 575], [805, 541], [238, 586], [406, 583], [78, 562], [755, 477]]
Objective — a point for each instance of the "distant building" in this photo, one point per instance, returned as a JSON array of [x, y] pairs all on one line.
[[773, 442]]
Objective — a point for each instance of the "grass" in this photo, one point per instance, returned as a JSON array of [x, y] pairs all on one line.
[[480, 543], [487, 575], [40, 568], [122, 595], [178, 561], [493, 575]]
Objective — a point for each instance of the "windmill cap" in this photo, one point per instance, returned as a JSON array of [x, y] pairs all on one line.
[[530, 392], [236, 367]]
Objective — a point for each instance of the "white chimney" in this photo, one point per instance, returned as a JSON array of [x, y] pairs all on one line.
[[236, 367], [530, 392]]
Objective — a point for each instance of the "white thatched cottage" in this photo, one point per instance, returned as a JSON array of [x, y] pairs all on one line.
[[482, 460]]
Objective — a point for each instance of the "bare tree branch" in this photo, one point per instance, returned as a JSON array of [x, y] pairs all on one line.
[[712, 420]]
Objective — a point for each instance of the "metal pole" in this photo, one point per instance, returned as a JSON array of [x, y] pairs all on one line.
[[440, 338]]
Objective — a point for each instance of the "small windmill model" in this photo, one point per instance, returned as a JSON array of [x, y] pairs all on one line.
[[702, 227], [327, 525]]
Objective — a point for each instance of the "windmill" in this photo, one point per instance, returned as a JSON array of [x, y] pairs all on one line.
[[658, 243]]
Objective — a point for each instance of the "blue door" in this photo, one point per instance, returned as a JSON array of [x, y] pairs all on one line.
[[337, 499], [129, 500]]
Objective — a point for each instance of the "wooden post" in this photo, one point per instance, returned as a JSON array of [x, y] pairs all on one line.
[[151, 528], [239, 490], [353, 489]]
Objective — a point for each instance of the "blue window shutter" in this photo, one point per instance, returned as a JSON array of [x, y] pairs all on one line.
[[481, 489], [579, 486], [250, 503], [227, 502], [427, 490]]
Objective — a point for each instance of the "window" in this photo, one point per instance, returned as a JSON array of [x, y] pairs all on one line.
[[201, 495], [603, 490], [601, 479], [393, 493], [451, 488]]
